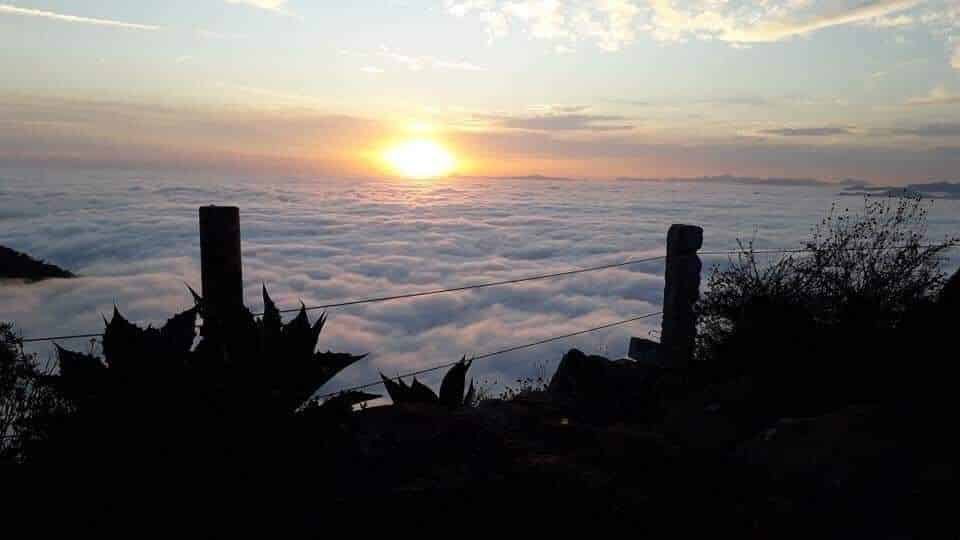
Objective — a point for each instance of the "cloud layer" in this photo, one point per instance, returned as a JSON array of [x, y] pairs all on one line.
[[133, 236]]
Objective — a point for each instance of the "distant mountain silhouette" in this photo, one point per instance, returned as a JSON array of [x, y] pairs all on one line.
[[720, 179], [16, 265], [930, 190], [521, 177], [730, 179]]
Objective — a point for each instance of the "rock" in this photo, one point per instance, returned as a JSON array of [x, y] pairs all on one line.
[[594, 387], [950, 295], [644, 350], [851, 446]]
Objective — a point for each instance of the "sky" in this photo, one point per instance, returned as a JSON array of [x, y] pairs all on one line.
[[580, 88]]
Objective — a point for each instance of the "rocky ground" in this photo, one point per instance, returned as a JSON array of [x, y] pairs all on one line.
[[576, 454]]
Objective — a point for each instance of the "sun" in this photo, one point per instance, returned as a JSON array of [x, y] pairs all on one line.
[[420, 158]]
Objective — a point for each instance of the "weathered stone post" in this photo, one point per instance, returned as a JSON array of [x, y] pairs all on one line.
[[221, 267], [680, 293]]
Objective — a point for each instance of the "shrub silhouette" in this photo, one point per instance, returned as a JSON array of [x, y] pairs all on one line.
[[26, 403], [817, 330]]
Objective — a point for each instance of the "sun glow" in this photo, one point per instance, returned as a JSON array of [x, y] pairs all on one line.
[[420, 158]]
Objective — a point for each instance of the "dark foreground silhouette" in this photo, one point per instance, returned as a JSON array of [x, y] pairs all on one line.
[[820, 404], [820, 450]]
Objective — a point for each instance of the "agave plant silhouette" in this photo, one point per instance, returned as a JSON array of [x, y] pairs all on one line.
[[451, 389], [240, 362]]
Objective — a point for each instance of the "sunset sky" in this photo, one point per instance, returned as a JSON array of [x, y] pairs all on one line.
[[584, 88]]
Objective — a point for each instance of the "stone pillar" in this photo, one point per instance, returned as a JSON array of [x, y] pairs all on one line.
[[680, 293], [221, 266]]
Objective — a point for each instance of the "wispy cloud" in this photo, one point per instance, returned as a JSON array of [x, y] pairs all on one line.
[[27, 12], [559, 121], [416, 63], [610, 24], [560, 109], [277, 6], [213, 34], [777, 30], [270, 96], [826, 131], [764, 21], [945, 129], [938, 96], [614, 24]]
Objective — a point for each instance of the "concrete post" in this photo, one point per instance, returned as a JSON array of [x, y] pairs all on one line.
[[221, 267], [681, 291]]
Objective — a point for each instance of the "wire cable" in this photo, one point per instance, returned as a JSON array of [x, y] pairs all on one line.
[[494, 353], [58, 338], [419, 294], [475, 286], [416, 294]]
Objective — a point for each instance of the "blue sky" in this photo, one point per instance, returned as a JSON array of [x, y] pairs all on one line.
[[596, 88]]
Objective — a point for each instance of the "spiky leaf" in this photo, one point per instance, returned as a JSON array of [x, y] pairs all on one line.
[[122, 341], [271, 320], [327, 365], [471, 395], [398, 391], [178, 333], [454, 384], [197, 299], [82, 376], [299, 337], [421, 393], [348, 400], [74, 365]]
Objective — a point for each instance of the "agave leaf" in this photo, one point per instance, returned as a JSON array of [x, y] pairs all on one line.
[[295, 382], [74, 365], [317, 328], [471, 395], [272, 322], [327, 365], [398, 391], [81, 375], [298, 336], [197, 299], [337, 406], [301, 322], [348, 400], [454, 383], [421, 393], [122, 341], [178, 333]]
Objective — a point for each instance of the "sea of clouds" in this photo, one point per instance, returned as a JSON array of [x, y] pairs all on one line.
[[132, 236]]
